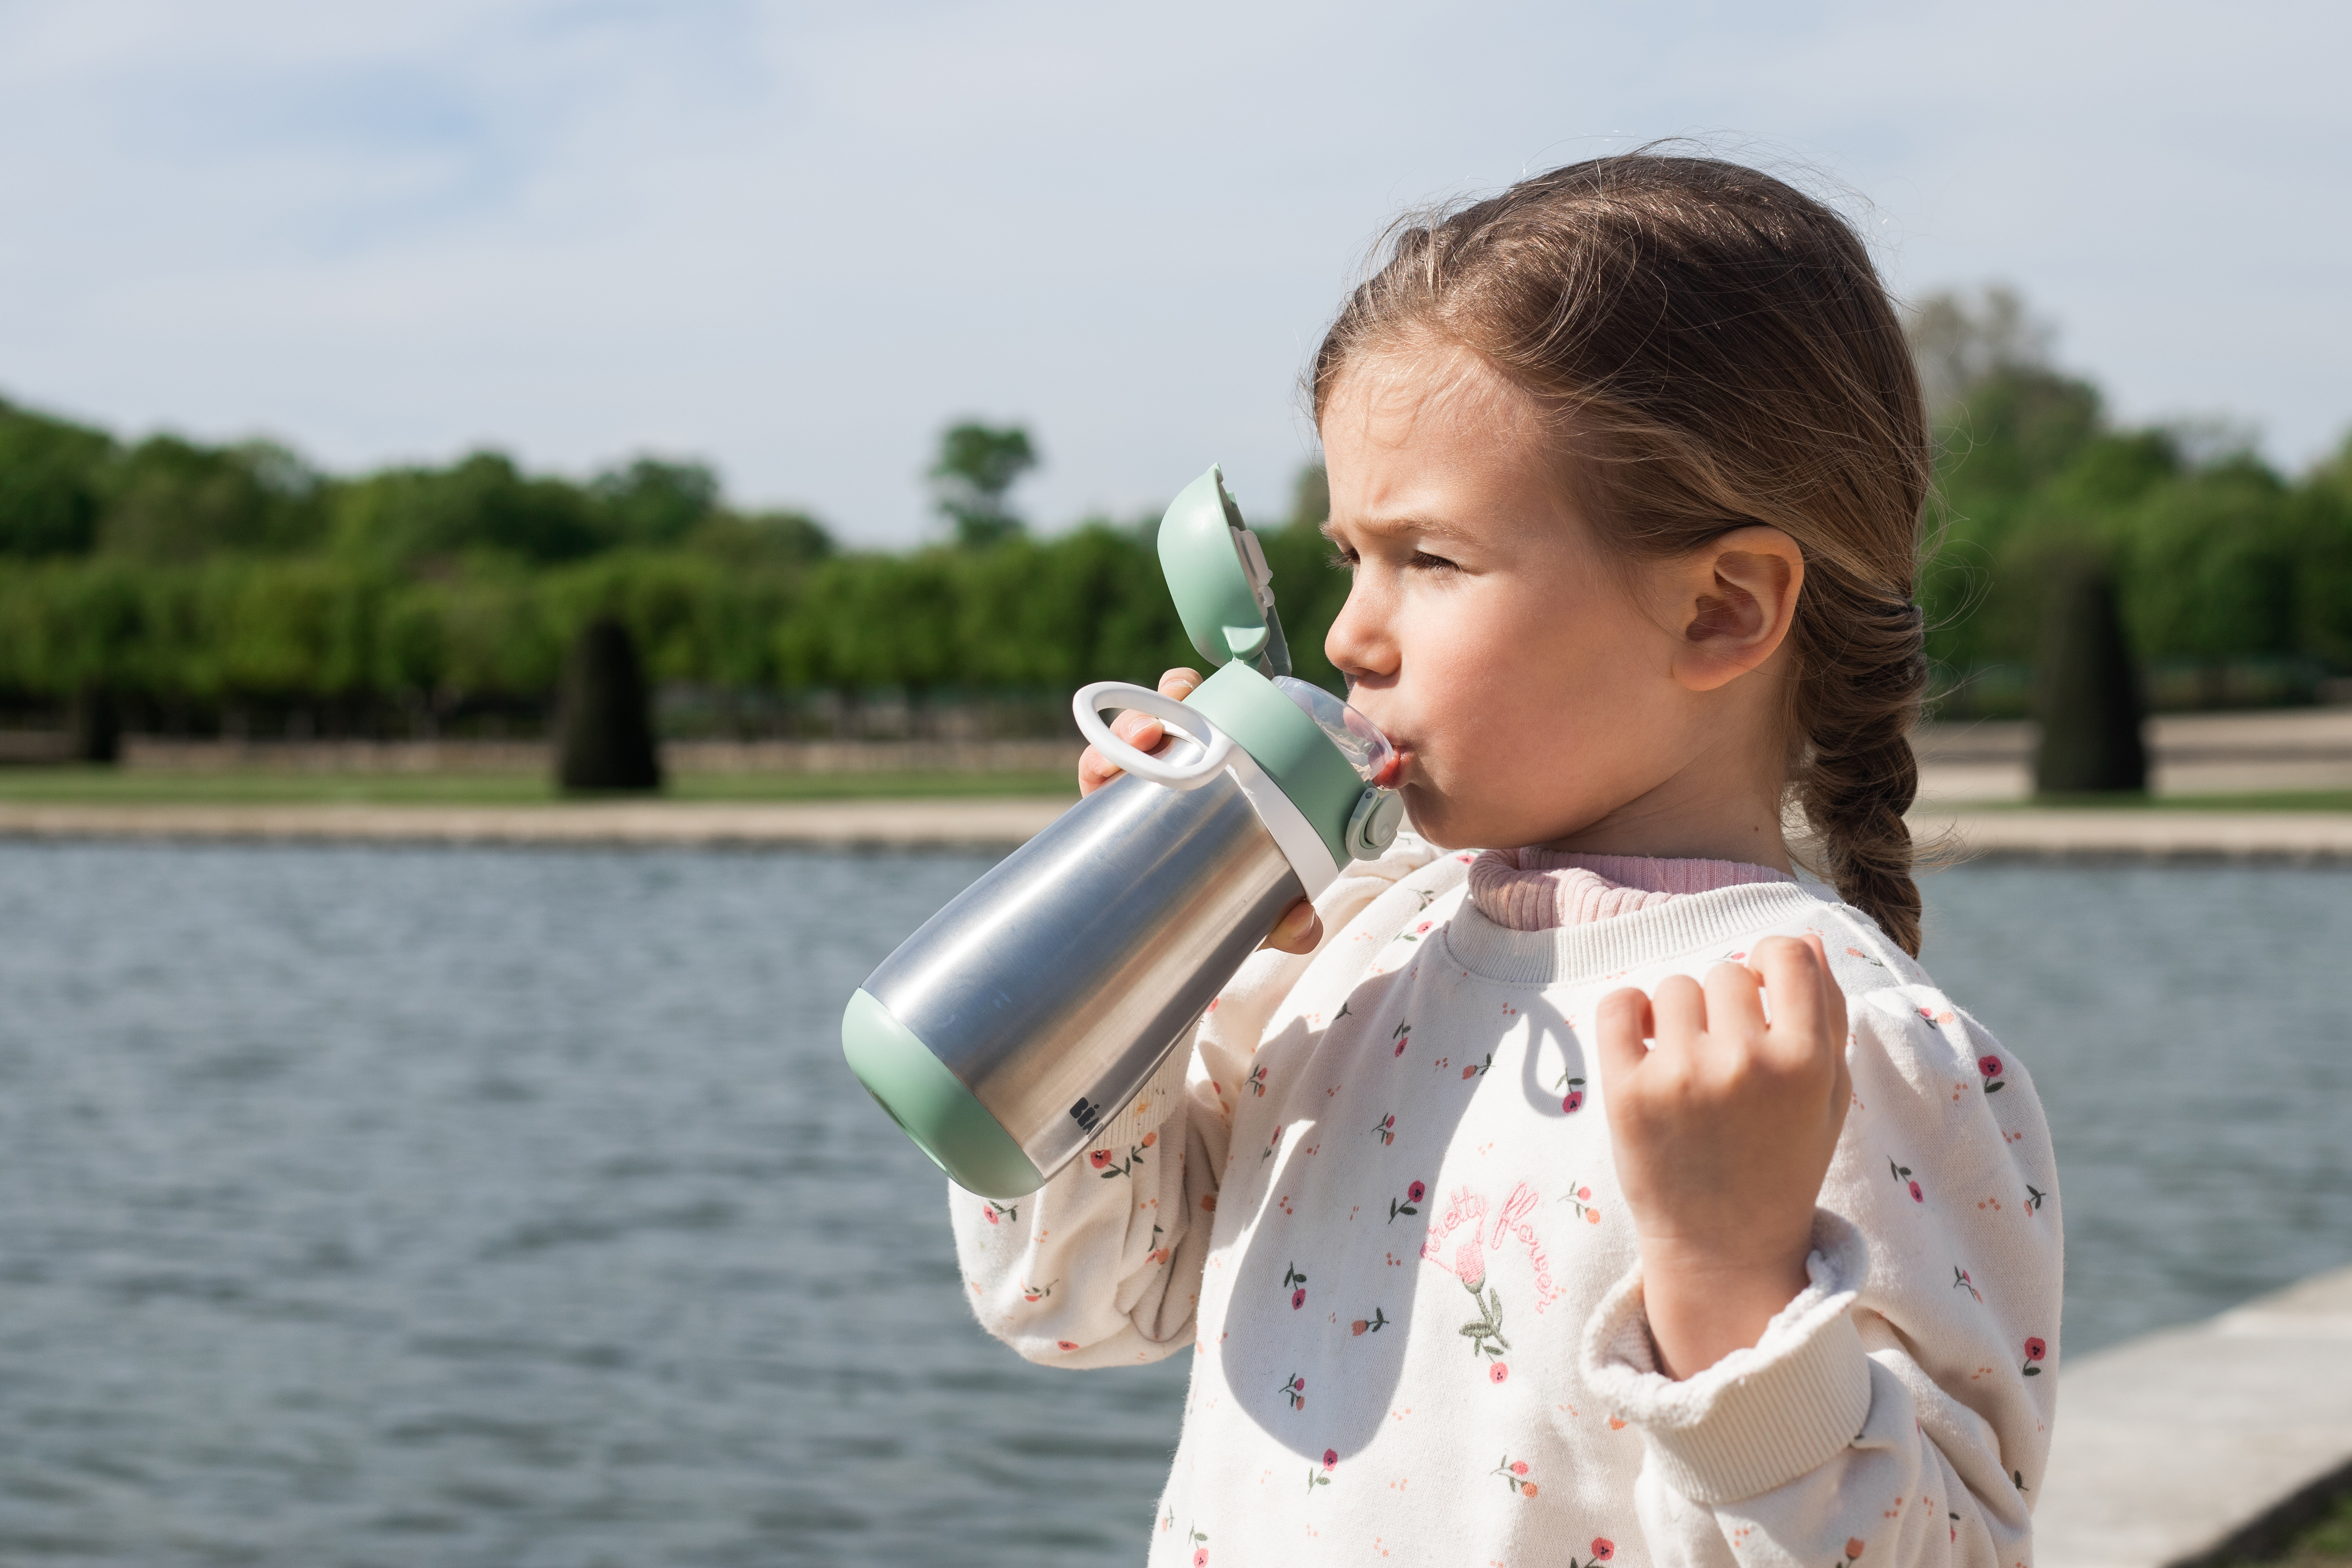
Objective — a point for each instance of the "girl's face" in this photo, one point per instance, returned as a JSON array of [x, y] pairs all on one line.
[[1542, 690]]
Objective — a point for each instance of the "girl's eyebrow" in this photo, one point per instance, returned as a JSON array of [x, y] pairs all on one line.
[[1394, 525]]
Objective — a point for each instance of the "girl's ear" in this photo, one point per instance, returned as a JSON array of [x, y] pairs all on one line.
[[1736, 599]]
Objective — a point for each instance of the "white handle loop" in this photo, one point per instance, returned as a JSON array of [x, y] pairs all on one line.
[[1216, 746]]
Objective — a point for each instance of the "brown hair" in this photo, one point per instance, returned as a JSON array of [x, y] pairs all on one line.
[[1722, 352]]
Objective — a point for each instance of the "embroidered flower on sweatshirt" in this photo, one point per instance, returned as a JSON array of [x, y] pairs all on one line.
[[2035, 1352], [1110, 1165], [1901, 1175], [1514, 1472], [1484, 1331]]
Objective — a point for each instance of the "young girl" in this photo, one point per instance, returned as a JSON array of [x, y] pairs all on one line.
[[1610, 1195]]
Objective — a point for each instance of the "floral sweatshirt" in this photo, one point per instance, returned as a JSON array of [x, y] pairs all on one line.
[[1377, 1203]]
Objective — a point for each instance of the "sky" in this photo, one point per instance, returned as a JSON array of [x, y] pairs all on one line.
[[796, 241]]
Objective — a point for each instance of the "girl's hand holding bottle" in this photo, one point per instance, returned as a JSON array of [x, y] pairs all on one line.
[[1299, 930], [1725, 1125]]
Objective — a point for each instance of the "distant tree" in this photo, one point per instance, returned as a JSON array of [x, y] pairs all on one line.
[[169, 499], [977, 467], [1961, 341], [762, 539], [401, 516], [1310, 586], [2207, 565], [51, 479], [2009, 430], [2323, 528], [655, 503], [1310, 498]]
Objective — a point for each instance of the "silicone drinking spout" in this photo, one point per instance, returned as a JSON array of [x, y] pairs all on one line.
[[1358, 739]]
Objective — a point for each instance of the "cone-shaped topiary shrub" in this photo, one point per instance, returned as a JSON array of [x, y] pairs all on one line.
[[605, 731], [2086, 693], [96, 725]]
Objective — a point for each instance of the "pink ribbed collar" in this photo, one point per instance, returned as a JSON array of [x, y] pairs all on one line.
[[1541, 889]]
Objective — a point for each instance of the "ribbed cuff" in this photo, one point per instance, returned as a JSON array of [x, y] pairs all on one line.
[[1760, 1417], [1153, 1104]]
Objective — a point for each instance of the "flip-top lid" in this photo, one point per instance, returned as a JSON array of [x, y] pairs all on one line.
[[1218, 577]]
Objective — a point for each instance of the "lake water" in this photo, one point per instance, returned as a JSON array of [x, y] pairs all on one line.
[[470, 1207]]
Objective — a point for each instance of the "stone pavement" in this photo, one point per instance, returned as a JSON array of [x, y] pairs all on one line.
[[2199, 1446], [2270, 752], [1002, 823], [876, 823], [2151, 831]]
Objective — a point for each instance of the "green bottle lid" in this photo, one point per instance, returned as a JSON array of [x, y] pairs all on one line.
[[1218, 577]]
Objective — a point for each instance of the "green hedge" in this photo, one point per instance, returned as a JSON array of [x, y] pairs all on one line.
[[1023, 615], [199, 575]]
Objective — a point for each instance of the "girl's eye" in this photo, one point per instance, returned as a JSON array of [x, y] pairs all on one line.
[[1341, 561], [1422, 561]]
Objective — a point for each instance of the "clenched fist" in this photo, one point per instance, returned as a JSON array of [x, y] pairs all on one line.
[[1725, 1124]]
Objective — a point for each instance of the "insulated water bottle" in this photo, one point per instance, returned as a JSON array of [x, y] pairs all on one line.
[[1037, 1004]]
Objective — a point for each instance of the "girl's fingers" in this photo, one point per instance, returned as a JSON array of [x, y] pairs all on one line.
[[1093, 771], [1619, 1027], [1299, 930], [1735, 1002], [1832, 994], [1794, 973], [1678, 1011], [1140, 731]]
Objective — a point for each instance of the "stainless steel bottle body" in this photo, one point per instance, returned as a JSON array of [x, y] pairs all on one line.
[[1054, 986]]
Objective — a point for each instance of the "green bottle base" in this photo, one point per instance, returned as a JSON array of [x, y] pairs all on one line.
[[931, 1105]]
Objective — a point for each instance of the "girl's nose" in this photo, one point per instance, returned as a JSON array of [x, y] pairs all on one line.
[[1358, 645]]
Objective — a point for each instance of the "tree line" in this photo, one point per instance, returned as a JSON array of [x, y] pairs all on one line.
[[191, 583], [2234, 581], [185, 583]]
